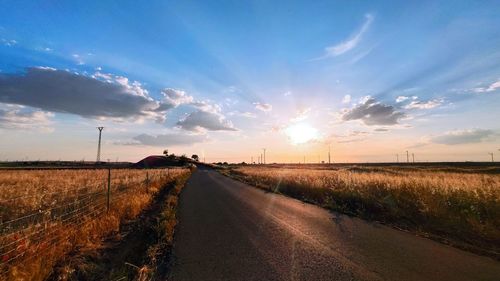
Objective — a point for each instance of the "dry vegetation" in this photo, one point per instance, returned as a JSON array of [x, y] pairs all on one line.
[[445, 203], [46, 214]]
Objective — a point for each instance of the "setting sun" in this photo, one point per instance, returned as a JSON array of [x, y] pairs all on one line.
[[301, 133]]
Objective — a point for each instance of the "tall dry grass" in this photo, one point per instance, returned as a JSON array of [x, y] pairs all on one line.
[[47, 214], [463, 208]]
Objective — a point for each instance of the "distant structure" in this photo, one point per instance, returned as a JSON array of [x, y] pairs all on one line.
[[407, 157], [397, 158], [99, 145], [413, 157], [264, 159], [492, 159], [329, 160]]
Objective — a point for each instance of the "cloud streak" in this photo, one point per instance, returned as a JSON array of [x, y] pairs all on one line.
[[350, 43], [263, 106], [170, 139], [463, 137]]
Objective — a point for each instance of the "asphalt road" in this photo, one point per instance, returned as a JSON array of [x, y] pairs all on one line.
[[231, 231]]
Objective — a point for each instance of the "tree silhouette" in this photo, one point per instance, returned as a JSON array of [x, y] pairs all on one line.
[[195, 157]]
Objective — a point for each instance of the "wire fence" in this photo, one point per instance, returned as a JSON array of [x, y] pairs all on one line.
[[60, 214]]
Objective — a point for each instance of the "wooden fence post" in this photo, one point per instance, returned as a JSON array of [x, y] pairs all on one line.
[[109, 187]]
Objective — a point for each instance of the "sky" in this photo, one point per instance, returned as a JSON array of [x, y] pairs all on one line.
[[367, 80]]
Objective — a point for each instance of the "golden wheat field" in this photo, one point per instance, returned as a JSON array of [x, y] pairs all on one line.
[[462, 206], [45, 214]]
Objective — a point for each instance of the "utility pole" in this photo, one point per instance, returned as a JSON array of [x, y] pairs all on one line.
[[99, 145], [397, 158], [407, 157], [491, 154], [413, 157], [329, 160], [264, 161]]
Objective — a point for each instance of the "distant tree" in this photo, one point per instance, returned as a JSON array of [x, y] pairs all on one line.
[[225, 163], [165, 152], [195, 157]]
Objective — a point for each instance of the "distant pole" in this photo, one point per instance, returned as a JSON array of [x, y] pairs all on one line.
[[99, 145], [264, 159], [407, 157], [397, 158], [329, 160], [413, 157], [491, 154]]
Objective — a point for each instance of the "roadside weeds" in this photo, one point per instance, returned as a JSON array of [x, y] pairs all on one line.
[[139, 251]]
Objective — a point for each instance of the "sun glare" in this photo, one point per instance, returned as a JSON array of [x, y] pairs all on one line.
[[301, 133]]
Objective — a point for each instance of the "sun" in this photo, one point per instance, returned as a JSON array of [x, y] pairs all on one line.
[[301, 133]]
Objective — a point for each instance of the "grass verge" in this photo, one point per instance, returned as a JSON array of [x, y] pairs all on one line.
[[139, 251]]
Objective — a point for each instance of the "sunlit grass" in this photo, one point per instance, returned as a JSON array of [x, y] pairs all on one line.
[[32, 246]]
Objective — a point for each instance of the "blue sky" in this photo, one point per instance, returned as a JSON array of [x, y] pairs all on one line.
[[225, 78]]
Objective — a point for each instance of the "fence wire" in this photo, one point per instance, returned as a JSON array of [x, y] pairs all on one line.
[[32, 234]]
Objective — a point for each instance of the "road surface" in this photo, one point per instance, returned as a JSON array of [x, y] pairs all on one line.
[[232, 231]]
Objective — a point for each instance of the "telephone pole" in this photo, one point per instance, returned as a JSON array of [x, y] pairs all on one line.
[[407, 157], [413, 157], [491, 154], [264, 161], [397, 158], [99, 145], [329, 160]]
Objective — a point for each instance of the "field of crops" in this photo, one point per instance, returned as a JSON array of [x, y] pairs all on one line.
[[45, 214], [461, 206]]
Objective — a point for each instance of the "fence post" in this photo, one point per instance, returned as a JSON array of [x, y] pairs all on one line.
[[109, 187]]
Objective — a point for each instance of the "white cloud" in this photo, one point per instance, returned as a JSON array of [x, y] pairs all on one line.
[[173, 98], [493, 87], [301, 114], [200, 121], [9, 43], [243, 114], [346, 99], [19, 117], [401, 99], [78, 59], [287, 93], [463, 136], [263, 106], [351, 42], [424, 104]]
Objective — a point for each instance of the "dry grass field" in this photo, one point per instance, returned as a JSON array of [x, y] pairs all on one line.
[[46, 214], [455, 205]]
